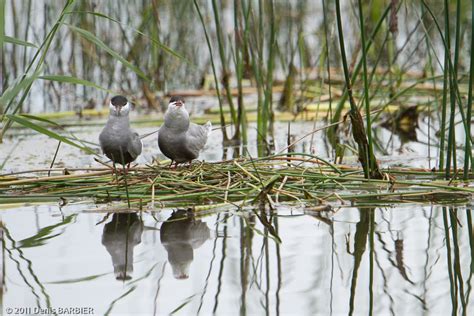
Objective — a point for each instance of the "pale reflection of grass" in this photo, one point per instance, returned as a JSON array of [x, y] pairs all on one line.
[[107, 312], [210, 264], [81, 279], [155, 305], [134, 284], [30, 269], [187, 300]]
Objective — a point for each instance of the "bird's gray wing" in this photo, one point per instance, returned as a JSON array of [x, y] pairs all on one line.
[[134, 146], [196, 137], [199, 233]]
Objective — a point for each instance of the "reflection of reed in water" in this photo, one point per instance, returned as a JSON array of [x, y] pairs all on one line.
[[180, 235], [2, 265], [119, 237]]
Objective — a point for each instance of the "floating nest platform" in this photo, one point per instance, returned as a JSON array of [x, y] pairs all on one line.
[[293, 178]]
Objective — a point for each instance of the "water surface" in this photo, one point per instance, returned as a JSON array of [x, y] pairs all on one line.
[[402, 260]]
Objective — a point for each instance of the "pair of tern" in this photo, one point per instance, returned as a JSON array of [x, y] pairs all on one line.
[[178, 138]]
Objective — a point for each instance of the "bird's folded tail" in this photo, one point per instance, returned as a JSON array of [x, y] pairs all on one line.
[[208, 127], [220, 127]]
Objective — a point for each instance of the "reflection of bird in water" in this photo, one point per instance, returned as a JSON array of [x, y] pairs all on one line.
[[180, 235], [119, 237]]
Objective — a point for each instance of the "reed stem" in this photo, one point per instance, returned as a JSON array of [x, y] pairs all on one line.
[[225, 72], [43, 49], [216, 80], [468, 151], [366, 157], [366, 84]]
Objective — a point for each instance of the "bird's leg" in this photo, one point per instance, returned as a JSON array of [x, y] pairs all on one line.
[[124, 170], [175, 164], [115, 172]]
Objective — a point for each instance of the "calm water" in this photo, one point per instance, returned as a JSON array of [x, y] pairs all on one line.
[[399, 261]]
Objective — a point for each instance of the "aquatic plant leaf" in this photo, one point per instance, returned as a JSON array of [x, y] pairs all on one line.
[[186, 302], [20, 119], [266, 223], [16, 41], [47, 121], [94, 39], [44, 234], [146, 275], [41, 119], [77, 280], [17, 86], [2, 23], [154, 40], [111, 306], [266, 189], [73, 80], [275, 238], [360, 245]]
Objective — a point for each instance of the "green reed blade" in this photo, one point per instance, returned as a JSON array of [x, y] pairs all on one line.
[[467, 143], [17, 41], [41, 52], [99, 43], [153, 39], [73, 80], [214, 72], [28, 124]]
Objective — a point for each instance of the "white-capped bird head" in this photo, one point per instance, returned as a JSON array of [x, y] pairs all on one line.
[[119, 106], [177, 116], [176, 103]]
